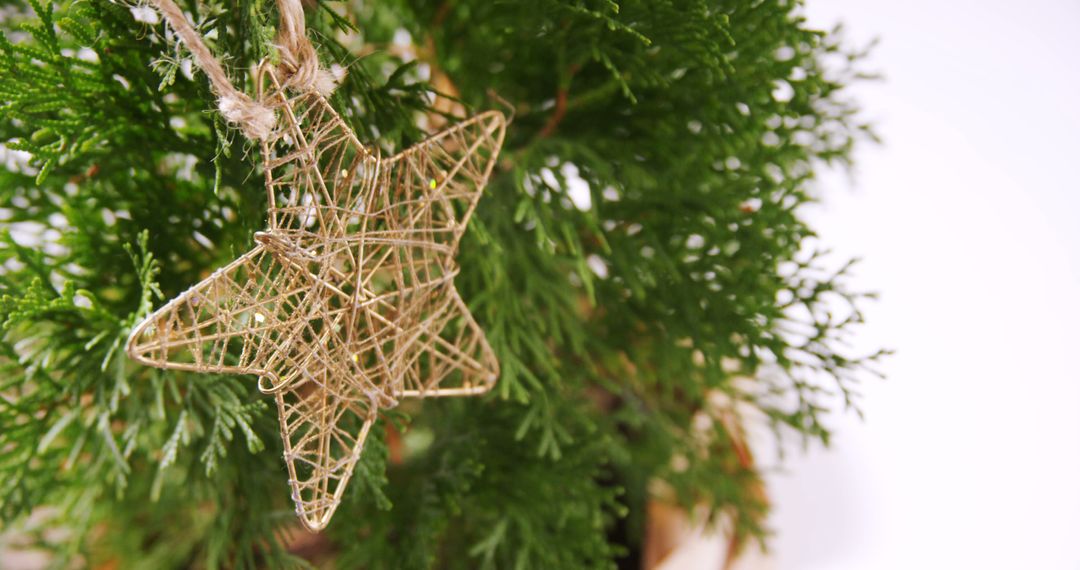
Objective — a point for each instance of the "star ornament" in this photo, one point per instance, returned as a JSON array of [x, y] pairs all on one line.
[[346, 304]]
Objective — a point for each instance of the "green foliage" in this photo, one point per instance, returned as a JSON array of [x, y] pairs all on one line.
[[639, 263]]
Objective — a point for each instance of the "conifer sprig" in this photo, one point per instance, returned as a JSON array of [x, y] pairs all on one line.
[[640, 261]]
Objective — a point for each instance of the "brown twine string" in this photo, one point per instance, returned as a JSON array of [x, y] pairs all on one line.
[[299, 68]]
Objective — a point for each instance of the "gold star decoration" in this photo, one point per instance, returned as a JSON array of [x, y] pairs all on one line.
[[347, 303]]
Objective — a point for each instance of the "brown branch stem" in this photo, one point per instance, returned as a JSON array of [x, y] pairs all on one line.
[[556, 116]]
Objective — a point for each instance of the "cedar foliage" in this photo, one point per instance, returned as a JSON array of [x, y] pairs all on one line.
[[682, 275]]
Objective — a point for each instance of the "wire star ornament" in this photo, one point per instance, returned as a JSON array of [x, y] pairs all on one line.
[[346, 304]]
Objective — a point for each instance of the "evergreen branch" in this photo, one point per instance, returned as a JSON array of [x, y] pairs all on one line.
[[636, 257]]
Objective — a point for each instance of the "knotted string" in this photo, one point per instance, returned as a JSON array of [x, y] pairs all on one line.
[[299, 67]]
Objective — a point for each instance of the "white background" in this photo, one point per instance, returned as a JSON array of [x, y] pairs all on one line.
[[968, 218]]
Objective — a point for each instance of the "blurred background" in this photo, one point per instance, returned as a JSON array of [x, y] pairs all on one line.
[[968, 221], [968, 218]]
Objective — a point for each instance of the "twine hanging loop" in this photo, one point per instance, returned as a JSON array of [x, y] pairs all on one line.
[[299, 67]]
